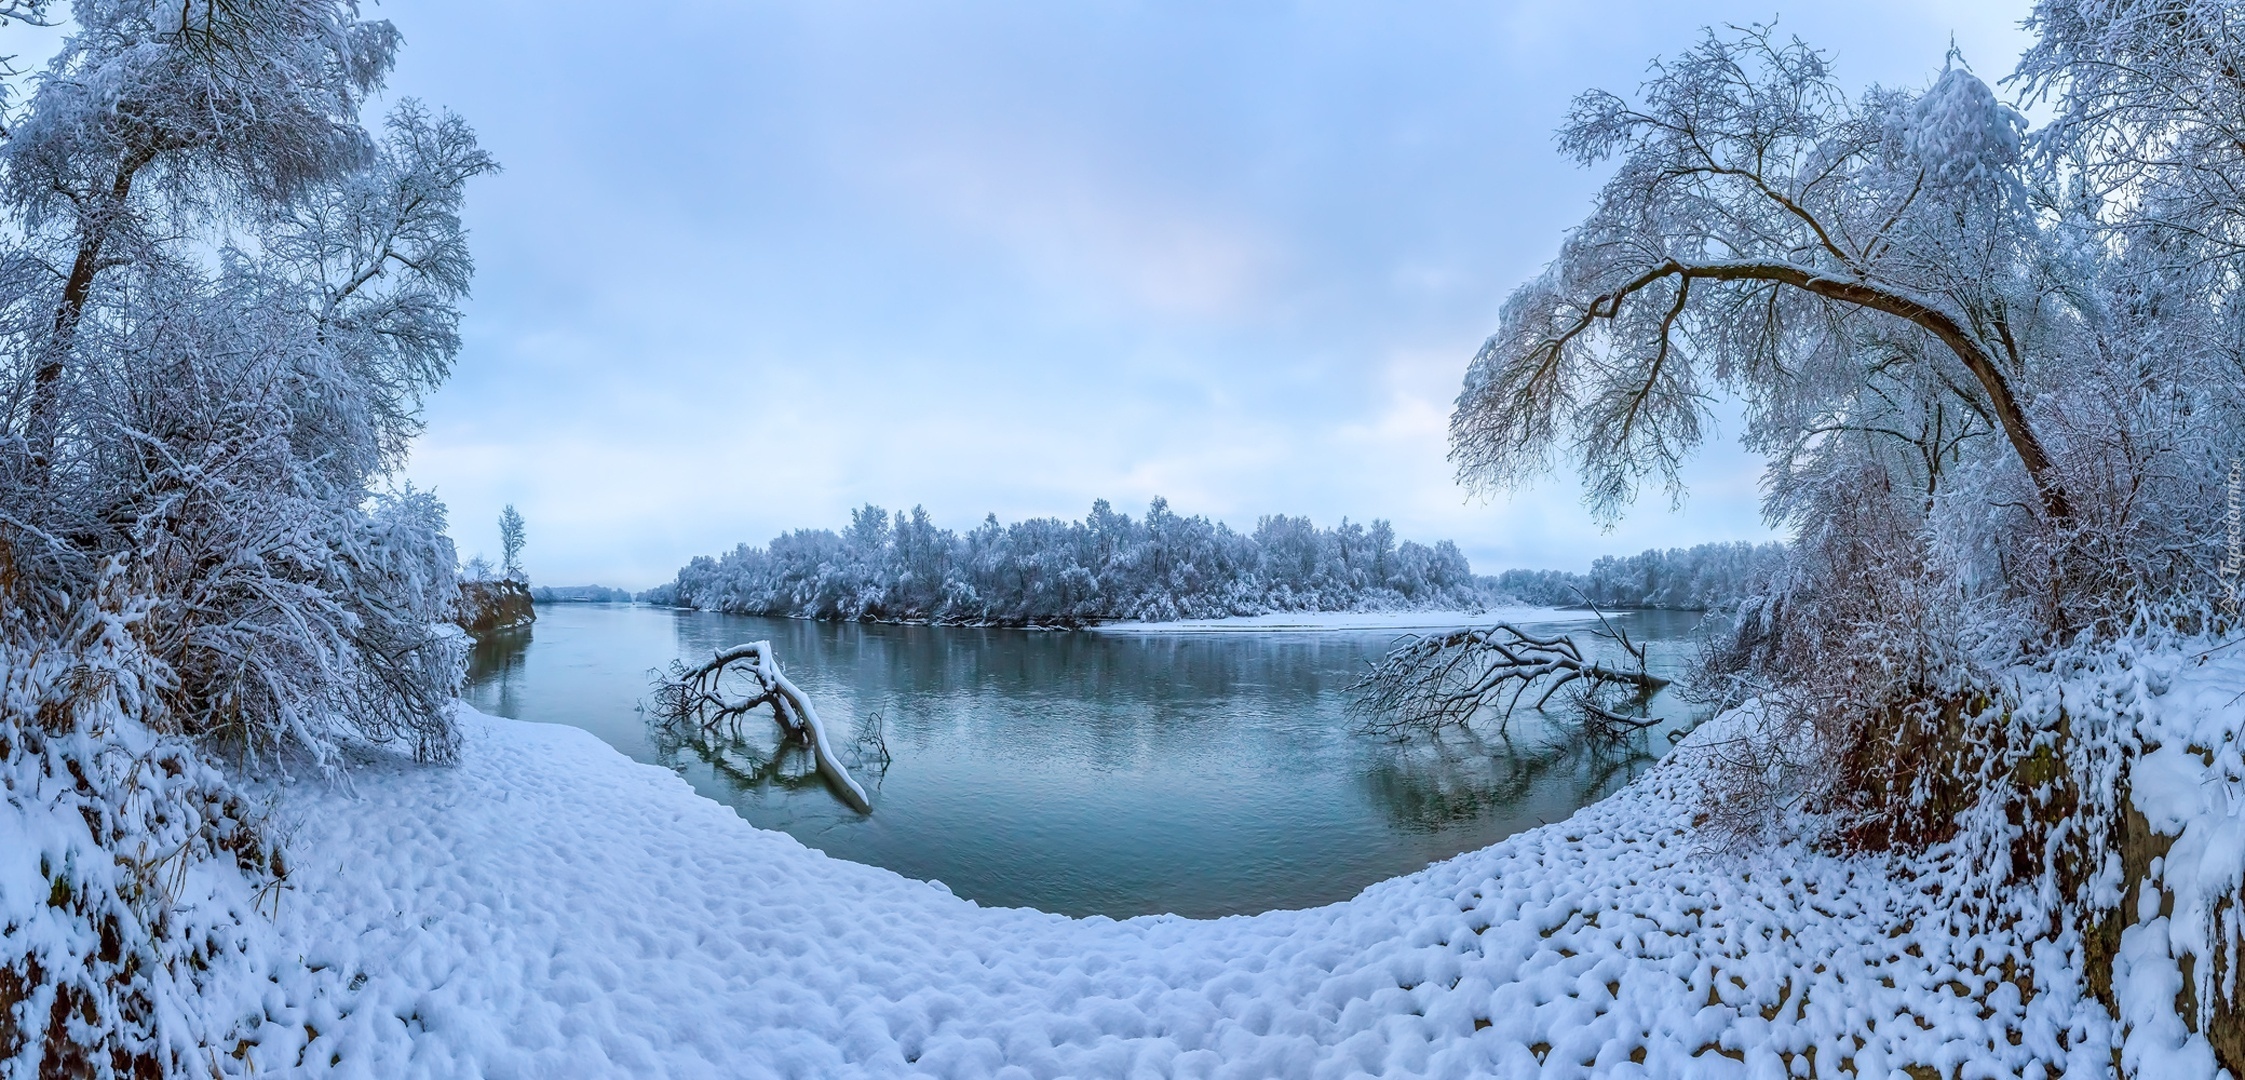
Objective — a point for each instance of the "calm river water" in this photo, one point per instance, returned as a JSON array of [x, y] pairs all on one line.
[[1082, 773]]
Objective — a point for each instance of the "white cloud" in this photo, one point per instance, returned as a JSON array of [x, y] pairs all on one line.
[[994, 258]]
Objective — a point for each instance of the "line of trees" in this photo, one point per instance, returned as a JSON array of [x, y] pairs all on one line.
[[579, 594], [1703, 578], [1049, 572]]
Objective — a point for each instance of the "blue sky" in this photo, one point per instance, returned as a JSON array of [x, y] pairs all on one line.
[[752, 264]]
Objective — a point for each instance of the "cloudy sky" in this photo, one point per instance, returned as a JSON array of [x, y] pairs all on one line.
[[751, 264]]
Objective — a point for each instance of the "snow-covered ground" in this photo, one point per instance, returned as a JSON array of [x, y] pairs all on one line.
[[550, 908], [1320, 621]]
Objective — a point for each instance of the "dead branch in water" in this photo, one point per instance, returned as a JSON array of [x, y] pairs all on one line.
[[1432, 681], [736, 682]]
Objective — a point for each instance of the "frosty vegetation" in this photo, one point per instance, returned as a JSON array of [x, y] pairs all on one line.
[[579, 594], [1708, 577], [1433, 681], [511, 541], [1047, 572], [1998, 374], [223, 296]]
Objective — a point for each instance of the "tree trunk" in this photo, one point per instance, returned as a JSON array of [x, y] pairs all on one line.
[[46, 384], [1978, 360]]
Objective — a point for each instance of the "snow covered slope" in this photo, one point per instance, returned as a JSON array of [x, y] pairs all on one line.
[[549, 908]]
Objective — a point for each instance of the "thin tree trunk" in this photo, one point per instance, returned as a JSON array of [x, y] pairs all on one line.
[[46, 383]]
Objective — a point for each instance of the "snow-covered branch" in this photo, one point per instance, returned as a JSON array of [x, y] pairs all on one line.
[[735, 682], [1768, 238]]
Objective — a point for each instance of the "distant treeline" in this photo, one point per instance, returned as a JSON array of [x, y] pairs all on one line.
[[1109, 567], [579, 594], [1686, 579], [1048, 572]]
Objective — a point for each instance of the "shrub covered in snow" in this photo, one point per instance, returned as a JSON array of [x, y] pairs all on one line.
[[130, 869], [222, 299]]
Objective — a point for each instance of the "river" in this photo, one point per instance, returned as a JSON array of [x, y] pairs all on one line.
[[1077, 772]]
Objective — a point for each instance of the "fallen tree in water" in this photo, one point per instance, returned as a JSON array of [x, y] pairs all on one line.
[[1432, 681], [738, 681]]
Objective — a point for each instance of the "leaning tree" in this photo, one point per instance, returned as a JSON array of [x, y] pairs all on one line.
[[1885, 284], [1995, 371], [1848, 267], [1873, 277]]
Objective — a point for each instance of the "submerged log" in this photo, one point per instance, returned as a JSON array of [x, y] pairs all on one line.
[[700, 694]]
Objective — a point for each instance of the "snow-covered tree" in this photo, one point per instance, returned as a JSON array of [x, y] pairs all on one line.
[[1998, 375], [1855, 268], [221, 300], [152, 111], [510, 543], [1706, 577], [2146, 151], [2150, 98]]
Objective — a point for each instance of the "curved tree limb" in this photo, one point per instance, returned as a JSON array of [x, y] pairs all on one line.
[[1923, 312]]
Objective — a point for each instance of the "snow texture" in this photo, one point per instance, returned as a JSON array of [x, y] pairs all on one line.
[[2189, 784], [548, 908], [1961, 133]]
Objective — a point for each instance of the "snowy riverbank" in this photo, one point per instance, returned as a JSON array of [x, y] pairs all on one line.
[[549, 908], [1400, 622]]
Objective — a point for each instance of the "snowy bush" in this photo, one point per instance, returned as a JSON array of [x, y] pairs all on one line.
[[130, 869], [221, 300]]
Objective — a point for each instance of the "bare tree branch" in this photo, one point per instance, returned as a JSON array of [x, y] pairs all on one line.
[[735, 682], [1433, 681]]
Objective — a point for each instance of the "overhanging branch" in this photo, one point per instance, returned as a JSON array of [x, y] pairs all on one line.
[[1920, 311]]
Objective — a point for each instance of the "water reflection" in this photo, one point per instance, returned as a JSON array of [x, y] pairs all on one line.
[[1430, 786], [741, 760], [751, 753], [1080, 773], [496, 666]]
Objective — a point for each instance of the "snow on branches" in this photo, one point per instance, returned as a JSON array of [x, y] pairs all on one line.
[[1767, 237], [222, 300], [735, 682], [1996, 375]]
